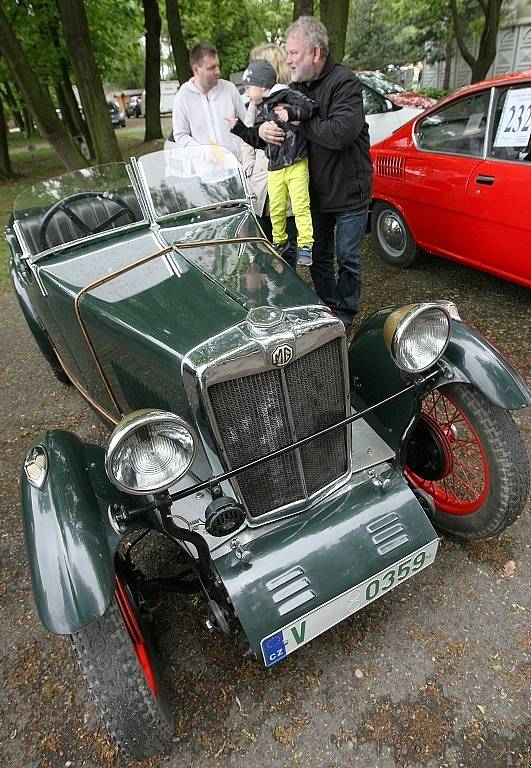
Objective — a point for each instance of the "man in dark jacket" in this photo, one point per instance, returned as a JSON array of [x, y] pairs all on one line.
[[339, 162]]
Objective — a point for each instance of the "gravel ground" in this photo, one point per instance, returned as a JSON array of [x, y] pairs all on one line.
[[434, 675]]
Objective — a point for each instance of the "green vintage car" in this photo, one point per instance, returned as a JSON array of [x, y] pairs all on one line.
[[297, 478]]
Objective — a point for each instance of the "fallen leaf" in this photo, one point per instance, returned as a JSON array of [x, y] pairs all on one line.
[[509, 569], [481, 708]]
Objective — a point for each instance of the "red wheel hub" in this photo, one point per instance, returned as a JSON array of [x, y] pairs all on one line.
[[446, 457], [135, 633]]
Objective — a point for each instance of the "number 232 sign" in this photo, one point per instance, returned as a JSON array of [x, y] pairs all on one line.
[[514, 128]]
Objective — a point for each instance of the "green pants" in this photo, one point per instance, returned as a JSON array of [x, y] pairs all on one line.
[[292, 181]]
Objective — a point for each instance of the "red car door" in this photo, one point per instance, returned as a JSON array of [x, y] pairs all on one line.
[[450, 146], [499, 190], [437, 184]]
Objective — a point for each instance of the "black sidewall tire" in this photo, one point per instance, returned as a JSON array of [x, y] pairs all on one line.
[[507, 463], [140, 723], [407, 256]]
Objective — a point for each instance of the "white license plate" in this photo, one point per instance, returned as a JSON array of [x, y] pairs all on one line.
[[281, 643]]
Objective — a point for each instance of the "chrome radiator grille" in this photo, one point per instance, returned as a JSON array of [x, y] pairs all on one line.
[[258, 414]]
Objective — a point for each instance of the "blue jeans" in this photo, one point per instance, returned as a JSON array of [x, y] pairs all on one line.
[[341, 295]]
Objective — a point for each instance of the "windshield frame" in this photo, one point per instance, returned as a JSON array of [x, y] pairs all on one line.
[[150, 219], [214, 205]]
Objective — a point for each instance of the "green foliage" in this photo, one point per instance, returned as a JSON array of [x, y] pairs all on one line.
[[435, 93], [116, 31], [377, 36], [234, 26]]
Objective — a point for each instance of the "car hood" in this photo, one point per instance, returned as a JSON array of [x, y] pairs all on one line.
[[410, 99], [131, 309]]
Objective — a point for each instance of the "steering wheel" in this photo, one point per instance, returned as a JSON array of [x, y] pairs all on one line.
[[65, 207]]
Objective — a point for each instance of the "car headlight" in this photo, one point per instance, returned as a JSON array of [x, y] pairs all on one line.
[[149, 451], [416, 335]]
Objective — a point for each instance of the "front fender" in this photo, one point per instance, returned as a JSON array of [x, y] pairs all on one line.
[[469, 358], [70, 542]]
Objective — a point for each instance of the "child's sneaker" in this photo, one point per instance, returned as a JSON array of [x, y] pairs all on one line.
[[281, 248], [304, 256]]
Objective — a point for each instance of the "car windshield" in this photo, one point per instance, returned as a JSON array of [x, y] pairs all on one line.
[[379, 83], [186, 178], [92, 201]]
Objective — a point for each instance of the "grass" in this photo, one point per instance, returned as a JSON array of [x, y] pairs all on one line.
[[31, 167]]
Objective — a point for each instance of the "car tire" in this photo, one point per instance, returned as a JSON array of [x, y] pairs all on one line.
[[468, 455], [394, 242], [122, 124], [122, 674]]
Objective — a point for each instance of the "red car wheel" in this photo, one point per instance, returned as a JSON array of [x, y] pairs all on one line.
[[122, 674], [469, 457]]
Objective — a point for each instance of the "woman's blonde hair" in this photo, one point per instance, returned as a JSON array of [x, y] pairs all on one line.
[[275, 56]]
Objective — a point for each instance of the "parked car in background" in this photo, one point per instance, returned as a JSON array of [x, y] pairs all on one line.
[[168, 91], [134, 107], [387, 105], [456, 181], [117, 115]]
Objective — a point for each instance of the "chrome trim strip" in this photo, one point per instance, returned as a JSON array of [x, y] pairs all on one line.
[[490, 118], [201, 208], [132, 172], [21, 239], [145, 190]]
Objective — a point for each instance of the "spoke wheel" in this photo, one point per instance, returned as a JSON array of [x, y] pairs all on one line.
[[122, 672], [449, 456], [469, 457]]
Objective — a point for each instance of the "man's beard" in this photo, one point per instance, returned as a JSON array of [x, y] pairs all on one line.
[[304, 74]]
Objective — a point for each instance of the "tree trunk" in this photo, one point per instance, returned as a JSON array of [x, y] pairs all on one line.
[[302, 8], [81, 127], [487, 45], [37, 98], [448, 54], [14, 108], [77, 36], [152, 111], [334, 16], [180, 51], [28, 127], [6, 172]]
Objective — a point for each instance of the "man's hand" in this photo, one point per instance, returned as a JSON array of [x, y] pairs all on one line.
[[271, 133], [231, 121]]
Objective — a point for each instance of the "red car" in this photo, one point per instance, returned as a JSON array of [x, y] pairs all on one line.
[[456, 181]]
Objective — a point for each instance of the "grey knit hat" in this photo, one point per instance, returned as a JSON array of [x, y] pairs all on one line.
[[259, 72]]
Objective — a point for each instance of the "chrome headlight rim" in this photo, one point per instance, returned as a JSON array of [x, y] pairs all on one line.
[[412, 312], [132, 423]]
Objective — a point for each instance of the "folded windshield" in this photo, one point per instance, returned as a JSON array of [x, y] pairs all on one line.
[[93, 201], [186, 178]]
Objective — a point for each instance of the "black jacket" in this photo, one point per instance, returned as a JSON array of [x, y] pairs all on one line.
[[338, 141], [293, 149]]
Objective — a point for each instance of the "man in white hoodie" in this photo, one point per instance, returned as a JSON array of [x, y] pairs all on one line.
[[202, 104]]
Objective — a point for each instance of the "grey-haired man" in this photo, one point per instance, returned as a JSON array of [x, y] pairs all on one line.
[[339, 163]]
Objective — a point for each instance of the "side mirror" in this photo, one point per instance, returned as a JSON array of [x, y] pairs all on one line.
[[389, 106]]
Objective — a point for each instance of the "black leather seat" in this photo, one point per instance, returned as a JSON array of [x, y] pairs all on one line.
[[91, 211]]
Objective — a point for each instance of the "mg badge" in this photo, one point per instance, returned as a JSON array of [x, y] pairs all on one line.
[[282, 355]]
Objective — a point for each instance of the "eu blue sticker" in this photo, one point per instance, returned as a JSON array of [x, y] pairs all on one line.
[[273, 649]]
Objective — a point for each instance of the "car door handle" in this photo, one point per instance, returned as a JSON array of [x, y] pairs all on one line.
[[489, 180]]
